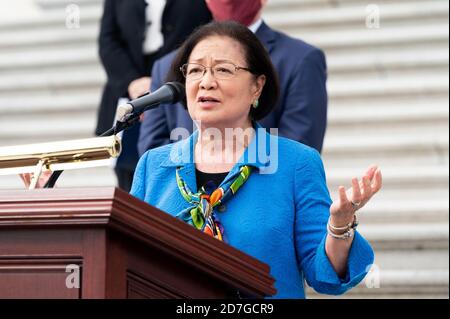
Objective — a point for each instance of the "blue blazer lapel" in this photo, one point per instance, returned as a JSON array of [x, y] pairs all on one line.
[[187, 173], [267, 36], [182, 156]]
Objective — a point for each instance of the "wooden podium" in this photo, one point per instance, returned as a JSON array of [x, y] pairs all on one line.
[[119, 246]]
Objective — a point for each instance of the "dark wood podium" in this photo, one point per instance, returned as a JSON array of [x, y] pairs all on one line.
[[120, 247]]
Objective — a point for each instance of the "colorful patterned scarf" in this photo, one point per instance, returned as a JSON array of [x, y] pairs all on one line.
[[201, 214]]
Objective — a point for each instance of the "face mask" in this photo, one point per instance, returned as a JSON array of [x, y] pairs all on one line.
[[242, 11]]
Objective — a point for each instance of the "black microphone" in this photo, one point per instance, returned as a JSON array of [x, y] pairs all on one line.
[[171, 92]]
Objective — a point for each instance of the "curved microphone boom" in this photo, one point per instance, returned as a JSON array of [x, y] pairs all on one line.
[[171, 92]]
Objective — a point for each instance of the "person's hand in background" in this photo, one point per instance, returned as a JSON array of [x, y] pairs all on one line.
[[139, 87], [43, 178]]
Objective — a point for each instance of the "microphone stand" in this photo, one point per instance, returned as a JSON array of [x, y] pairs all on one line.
[[128, 121]]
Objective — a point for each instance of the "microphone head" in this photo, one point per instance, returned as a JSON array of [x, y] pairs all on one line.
[[178, 90]]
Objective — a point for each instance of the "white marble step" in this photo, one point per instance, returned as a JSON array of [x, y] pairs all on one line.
[[394, 153], [407, 260], [38, 59], [13, 11], [384, 61], [409, 272], [40, 103], [421, 192], [311, 5], [383, 211], [427, 184], [50, 37], [411, 236], [52, 19], [344, 17], [55, 4], [393, 86], [393, 160], [392, 176], [391, 113], [47, 128], [53, 81], [398, 284], [402, 206], [399, 36], [426, 141], [389, 129]]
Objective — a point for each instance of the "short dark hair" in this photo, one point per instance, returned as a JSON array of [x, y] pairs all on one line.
[[256, 56]]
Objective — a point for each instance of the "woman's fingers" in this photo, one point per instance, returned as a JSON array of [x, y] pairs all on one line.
[[26, 179], [367, 188], [342, 211], [361, 192], [378, 181], [343, 197], [43, 178], [356, 192], [371, 171], [364, 188]]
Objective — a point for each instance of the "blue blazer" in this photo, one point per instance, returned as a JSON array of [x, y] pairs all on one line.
[[278, 216], [301, 112]]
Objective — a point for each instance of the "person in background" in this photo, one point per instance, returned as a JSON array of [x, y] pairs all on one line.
[[262, 194], [133, 34], [301, 110]]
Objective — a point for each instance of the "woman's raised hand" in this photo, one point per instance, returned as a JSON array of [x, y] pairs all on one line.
[[343, 209]]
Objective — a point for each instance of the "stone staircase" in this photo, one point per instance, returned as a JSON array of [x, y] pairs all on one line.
[[388, 90]]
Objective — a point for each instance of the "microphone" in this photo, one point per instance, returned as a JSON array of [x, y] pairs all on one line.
[[171, 92]]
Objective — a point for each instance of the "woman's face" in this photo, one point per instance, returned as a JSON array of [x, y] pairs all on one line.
[[221, 103]]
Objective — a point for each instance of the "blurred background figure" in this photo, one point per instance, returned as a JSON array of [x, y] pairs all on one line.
[[134, 34], [301, 111], [388, 77]]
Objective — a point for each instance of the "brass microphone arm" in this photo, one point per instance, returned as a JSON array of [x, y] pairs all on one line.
[[57, 156]]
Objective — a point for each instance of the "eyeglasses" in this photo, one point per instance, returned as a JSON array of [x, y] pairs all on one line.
[[221, 71]]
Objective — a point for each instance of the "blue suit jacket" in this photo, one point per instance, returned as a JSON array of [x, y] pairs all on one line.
[[301, 112], [287, 232]]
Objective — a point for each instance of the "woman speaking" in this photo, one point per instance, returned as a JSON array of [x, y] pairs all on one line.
[[262, 194]]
